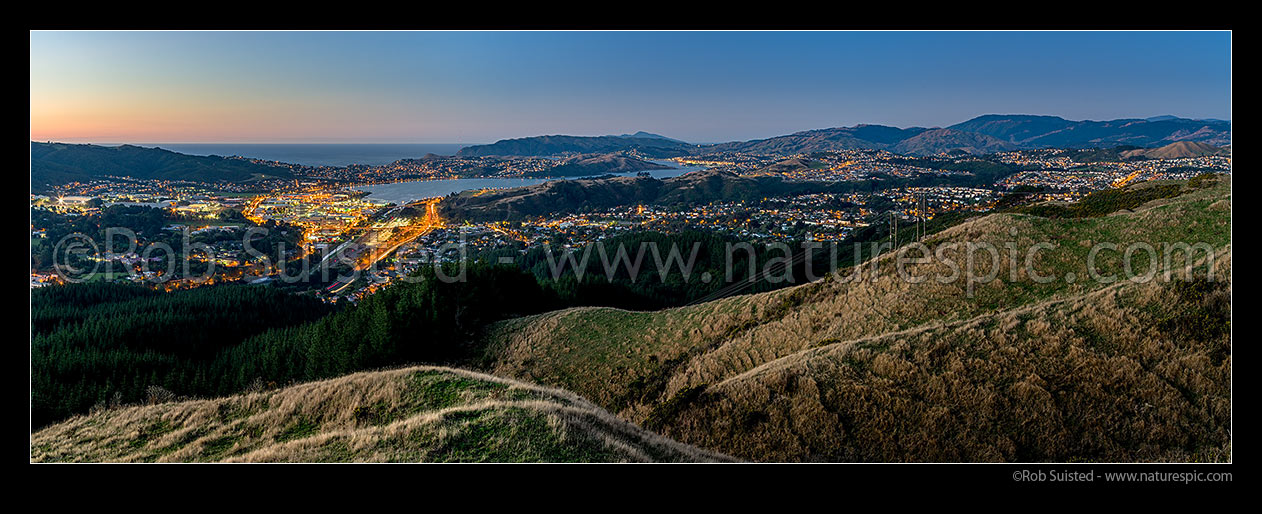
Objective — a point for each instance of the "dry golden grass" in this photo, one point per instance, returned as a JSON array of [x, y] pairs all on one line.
[[703, 373], [1096, 377], [418, 414]]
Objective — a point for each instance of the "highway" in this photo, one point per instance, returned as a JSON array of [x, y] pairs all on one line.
[[384, 238]]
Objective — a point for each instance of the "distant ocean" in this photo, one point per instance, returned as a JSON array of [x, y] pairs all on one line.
[[311, 154]]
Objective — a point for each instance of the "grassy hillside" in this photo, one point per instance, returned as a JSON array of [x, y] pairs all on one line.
[[886, 370], [419, 414], [1179, 150], [58, 163]]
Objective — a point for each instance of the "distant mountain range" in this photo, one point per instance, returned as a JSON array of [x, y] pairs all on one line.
[[980, 135], [1050, 131], [59, 163], [55, 163]]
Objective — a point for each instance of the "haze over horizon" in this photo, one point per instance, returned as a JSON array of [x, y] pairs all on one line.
[[700, 87]]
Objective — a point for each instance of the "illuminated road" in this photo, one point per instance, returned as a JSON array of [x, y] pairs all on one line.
[[401, 235], [381, 241], [375, 241]]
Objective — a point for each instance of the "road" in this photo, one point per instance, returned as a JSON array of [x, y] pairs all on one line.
[[380, 241]]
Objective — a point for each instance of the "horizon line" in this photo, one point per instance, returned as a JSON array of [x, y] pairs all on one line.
[[77, 140]]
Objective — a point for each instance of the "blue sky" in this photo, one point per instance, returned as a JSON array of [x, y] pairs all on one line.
[[698, 86]]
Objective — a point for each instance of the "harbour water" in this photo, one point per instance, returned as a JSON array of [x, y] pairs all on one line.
[[343, 154], [403, 192]]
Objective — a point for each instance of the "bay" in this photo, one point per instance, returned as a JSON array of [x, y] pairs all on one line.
[[404, 192]]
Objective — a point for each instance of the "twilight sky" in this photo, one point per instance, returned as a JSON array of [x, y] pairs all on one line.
[[472, 87]]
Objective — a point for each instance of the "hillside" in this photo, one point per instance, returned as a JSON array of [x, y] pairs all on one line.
[[419, 414], [590, 165], [59, 163], [650, 135], [1050, 131], [859, 137], [791, 165], [1178, 150], [1014, 128], [653, 147], [884, 369], [936, 141]]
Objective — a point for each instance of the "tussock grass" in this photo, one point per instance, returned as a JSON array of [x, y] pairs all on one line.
[[1098, 377], [419, 414], [883, 369]]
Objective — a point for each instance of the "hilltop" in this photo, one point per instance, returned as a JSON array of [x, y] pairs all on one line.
[[859, 137], [884, 369], [791, 165], [650, 135], [653, 147], [588, 165], [936, 141], [1178, 150], [418, 414], [57, 163]]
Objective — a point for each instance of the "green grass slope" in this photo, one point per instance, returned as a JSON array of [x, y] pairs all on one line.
[[882, 369], [419, 414]]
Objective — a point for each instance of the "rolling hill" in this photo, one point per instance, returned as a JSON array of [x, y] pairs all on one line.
[[589, 165], [419, 414], [653, 147], [885, 369], [937, 141], [59, 163], [791, 165], [650, 135], [1178, 150], [859, 137]]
